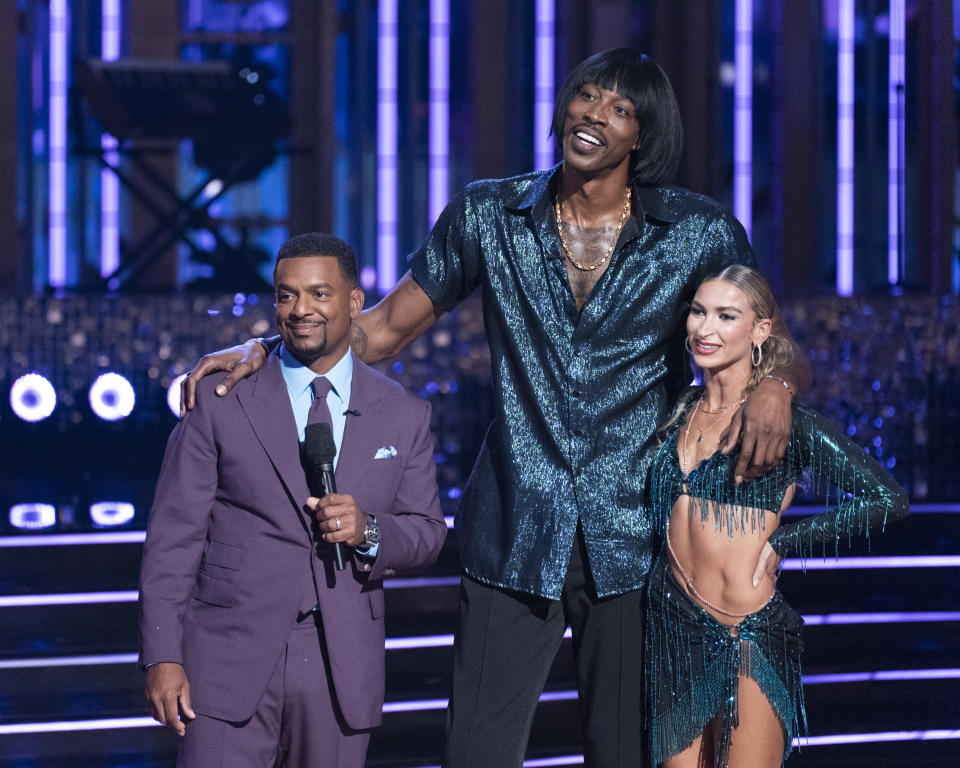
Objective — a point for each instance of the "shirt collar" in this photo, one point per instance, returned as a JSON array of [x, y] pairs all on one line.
[[649, 201], [298, 377]]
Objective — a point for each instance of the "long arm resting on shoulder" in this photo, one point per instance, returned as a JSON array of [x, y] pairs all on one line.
[[381, 331], [762, 425]]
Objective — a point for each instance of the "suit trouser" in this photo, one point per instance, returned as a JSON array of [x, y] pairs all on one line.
[[503, 650], [297, 722]]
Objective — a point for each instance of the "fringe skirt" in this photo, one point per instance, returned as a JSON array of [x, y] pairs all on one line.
[[693, 665]]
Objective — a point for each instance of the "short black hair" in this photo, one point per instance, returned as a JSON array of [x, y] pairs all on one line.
[[636, 77], [321, 244]]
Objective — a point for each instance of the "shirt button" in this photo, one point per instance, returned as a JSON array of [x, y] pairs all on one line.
[[576, 392]]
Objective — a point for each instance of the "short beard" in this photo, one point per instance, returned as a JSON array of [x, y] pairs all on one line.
[[308, 355]]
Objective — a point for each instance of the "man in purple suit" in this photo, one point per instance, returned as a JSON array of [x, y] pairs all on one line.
[[257, 650]]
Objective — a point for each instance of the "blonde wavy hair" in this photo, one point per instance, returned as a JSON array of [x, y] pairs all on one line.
[[777, 351]]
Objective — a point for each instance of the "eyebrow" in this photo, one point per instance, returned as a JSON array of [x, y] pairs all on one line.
[[717, 309], [315, 286]]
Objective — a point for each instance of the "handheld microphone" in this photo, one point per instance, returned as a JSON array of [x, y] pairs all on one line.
[[319, 451]]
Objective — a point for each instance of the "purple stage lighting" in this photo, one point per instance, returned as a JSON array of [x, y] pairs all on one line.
[[544, 78], [32, 397], [112, 397], [846, 22], [439, 185], [106, 514], [57, 143], [33, 517], [896, 140], [388, 119], [743, 116], [173, 395], [110, 25]]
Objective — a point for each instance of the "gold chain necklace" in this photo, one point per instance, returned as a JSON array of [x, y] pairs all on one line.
[[686, 431], [613, 244]]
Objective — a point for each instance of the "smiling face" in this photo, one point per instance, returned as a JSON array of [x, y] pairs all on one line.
[[315, 307], [599, 132], [722, 328]]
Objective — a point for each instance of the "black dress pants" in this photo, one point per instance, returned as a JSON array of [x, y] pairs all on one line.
[[504, 646]]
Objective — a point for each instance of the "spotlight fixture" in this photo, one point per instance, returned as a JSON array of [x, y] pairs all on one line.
[[111, 397], [108, 514], [173, 395], [33, 516], [32, 397]]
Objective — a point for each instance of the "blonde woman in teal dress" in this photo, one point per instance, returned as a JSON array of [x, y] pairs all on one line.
[[723, 647]]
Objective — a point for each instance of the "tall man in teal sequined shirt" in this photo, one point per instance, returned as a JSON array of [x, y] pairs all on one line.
[[586, 272]]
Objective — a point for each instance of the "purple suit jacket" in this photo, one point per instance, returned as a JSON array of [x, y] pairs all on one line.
[[228, 549]]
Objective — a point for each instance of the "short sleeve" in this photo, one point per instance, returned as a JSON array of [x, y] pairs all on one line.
[[725, 243], [447, 266]]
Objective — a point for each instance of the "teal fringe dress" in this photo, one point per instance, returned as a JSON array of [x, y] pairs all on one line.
[[692, 661]]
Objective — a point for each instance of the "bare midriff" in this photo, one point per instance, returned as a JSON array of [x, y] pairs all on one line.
[[720, 564]]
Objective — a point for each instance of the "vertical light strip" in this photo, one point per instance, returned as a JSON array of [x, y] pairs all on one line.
[[845, 84], [439, 107], [895, 141], [387, 123], [109, 186], [543, 81], [743, 115], [57, 145]]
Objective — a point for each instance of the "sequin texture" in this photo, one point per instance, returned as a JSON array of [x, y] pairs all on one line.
[[693, 662], [577, 395]]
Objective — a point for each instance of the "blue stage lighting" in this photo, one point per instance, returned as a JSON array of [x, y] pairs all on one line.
[[173, 395], [111, 397], [33, 516], [107, 514], [32, 397]]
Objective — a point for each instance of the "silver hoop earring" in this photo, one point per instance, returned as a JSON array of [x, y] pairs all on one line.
[[686, 343], [756, 356]]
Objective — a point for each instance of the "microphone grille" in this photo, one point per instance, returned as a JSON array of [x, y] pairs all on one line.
[[318, 444]]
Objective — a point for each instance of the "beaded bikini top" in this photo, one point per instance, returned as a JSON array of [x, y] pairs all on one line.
[[858, 494]]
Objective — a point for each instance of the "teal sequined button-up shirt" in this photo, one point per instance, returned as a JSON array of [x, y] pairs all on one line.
[[577, 395]]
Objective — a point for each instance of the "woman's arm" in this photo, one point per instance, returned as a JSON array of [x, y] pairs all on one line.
[[868, 497]]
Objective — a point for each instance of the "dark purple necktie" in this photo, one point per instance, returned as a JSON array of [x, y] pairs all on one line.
[[319, 412]]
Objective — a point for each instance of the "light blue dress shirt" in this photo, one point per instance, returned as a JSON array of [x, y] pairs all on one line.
[[299, 378]]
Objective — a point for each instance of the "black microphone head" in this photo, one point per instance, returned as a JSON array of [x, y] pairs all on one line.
[[318, 445]]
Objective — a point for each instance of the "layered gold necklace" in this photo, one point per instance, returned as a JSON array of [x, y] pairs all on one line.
[[613, 243]]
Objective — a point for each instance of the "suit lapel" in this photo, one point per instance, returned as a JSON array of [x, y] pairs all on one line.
[[267, 406], [360, 430]]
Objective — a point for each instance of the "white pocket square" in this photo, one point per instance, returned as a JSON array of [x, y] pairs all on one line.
[[386, 452]]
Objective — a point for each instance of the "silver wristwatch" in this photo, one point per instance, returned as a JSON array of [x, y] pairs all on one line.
[[371, 532]]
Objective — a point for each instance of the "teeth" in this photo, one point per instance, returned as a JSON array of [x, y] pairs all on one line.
[[588, 138]]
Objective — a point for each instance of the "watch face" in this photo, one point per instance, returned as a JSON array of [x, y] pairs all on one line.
[[371, 533]]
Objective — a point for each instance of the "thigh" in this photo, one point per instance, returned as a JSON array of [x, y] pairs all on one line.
[[757, 741], [504, 646], [253, 743], [608, 645], [313, 731]]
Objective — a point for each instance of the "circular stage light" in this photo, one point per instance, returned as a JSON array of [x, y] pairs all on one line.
[[111, 397], [32, 397], [106, 514], [173, 395], [32, 517]]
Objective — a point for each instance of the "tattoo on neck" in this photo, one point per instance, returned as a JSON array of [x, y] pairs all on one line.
[[358, 340]]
